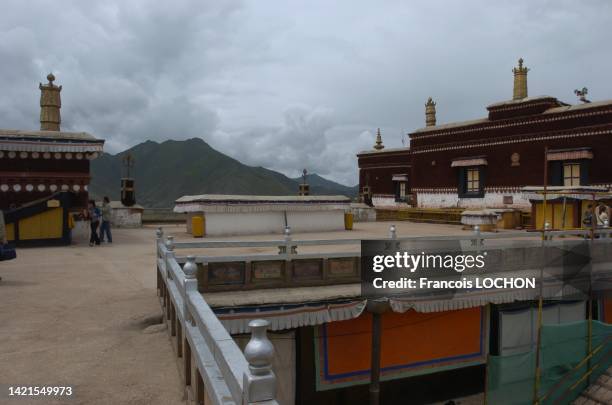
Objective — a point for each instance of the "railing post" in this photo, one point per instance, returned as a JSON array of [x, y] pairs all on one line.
[[287, 248], [392, 232], [159, 236], [169, 255], [167, 259], [190, 268], [260, 382], [477, 241]]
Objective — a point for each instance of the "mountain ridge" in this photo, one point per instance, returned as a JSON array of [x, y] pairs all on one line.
[[165, 171]]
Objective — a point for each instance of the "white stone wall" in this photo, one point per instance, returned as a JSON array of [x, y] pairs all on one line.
[[380, 201], [363, 213], [81, 232], [272, 222], [125, 217], [315, 221], [227, 224], [491, 199]]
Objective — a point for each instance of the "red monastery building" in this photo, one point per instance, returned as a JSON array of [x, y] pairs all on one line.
[[44, 174], [487, 162]]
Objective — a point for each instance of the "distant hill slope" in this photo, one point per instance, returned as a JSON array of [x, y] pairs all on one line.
[[166, 171]]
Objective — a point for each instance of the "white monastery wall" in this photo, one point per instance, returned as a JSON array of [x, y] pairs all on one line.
[[491, 199]]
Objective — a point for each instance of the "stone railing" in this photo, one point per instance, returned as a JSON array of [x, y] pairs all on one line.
[[215, 369]]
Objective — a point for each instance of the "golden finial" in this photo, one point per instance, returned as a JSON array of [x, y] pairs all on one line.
[[379, 144], [520, 81], [50, 104], [520, 68], [430, 113]]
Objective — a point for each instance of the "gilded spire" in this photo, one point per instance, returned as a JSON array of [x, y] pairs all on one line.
[[430, 113], [50, 104], [379, 144], [520, 81]]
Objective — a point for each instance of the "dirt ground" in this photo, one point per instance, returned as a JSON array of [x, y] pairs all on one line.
[[82, 316], [78, 316]]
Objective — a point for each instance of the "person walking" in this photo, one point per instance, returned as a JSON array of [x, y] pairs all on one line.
[[94, 222], [106, 221]]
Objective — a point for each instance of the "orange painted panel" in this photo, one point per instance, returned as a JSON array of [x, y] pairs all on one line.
[[411, 342]]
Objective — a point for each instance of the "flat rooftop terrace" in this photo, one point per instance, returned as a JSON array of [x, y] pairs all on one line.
[[89, 317]]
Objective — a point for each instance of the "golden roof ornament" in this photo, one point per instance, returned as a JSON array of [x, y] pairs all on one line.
[[430, 113], [520, 81], [379, 143], [50, 104]]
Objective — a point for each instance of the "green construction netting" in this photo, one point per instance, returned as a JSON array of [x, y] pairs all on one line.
[[564, 347]]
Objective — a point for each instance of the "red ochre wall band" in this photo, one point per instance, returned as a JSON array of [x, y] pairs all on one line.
[[413, 343]]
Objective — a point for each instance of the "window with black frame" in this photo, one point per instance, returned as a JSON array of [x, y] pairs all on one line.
[[471, 182]]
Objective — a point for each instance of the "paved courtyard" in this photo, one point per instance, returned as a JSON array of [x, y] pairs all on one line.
[[85, 317]]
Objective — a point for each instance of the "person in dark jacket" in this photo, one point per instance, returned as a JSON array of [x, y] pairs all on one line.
[[94, 222]]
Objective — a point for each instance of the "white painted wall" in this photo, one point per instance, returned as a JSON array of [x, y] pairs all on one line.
[[273, 222], [125, 217], [81, 232], [227, 224], [490, 200], [387, 202], [316, 221], [363, 213]]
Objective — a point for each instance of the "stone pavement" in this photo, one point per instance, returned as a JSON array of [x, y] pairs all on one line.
[[78, 316]]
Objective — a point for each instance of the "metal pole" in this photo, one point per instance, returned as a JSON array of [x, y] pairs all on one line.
[[594, 217], [487, 375], [590, 336], [375, 365], [376, 307], [545, 185], [564, 212], [536, 385]]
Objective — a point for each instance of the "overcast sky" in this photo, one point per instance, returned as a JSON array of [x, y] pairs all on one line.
[[286, 84]]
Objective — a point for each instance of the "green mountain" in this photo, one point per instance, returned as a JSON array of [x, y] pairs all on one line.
[[166, 171]]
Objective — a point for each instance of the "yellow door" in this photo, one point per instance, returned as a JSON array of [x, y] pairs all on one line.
[[559, 222], [539, 220]]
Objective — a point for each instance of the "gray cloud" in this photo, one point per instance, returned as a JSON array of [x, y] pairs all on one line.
[[288, 85]]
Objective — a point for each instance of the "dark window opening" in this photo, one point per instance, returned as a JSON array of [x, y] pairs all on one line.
[[471, 182]]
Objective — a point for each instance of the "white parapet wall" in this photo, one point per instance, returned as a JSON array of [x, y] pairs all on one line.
[[387, 201], [226, 215], [243, 223], [491, 199], [126, 217], [363, 213]]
